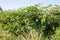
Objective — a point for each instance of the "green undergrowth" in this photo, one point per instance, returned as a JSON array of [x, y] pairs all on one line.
[[30, 23]]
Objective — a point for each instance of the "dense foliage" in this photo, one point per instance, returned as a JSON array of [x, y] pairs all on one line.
[[41, 20]]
